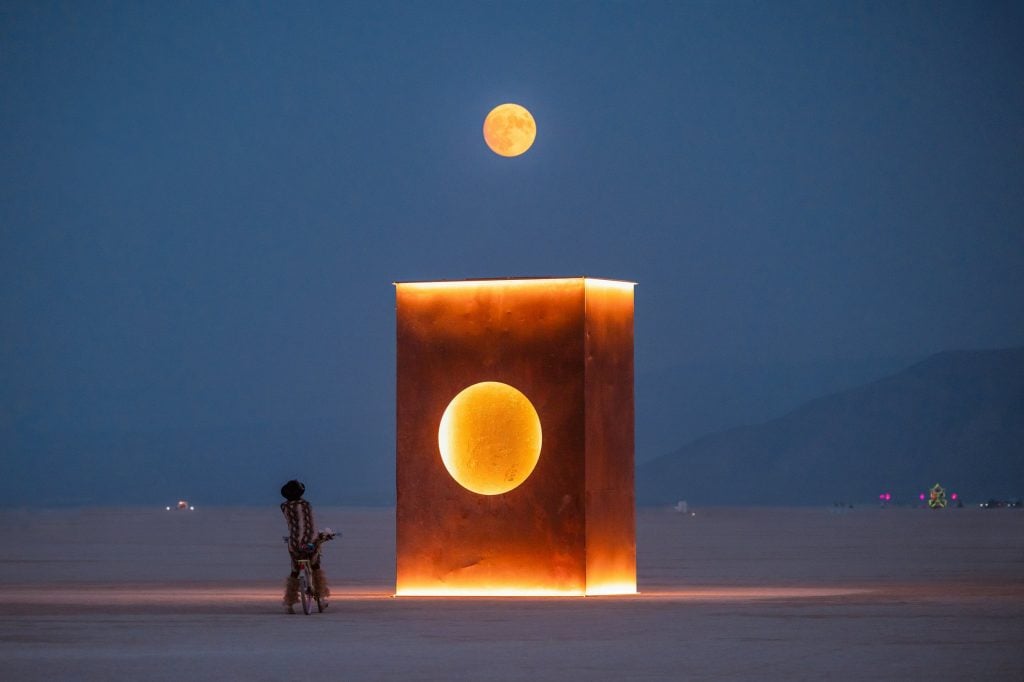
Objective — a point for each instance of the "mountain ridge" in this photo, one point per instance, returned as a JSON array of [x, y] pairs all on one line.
[[939, 418]]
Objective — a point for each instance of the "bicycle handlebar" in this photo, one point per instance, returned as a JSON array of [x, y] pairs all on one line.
[[321, 537]]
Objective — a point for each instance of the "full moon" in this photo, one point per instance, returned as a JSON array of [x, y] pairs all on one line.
[[490, 438], [509, 129]]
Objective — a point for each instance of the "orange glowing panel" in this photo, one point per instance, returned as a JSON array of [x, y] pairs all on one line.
[[515, 437]]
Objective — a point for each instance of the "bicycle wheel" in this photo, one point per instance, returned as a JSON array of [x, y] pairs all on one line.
[[304, 592]]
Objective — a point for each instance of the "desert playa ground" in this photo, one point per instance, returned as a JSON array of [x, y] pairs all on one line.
[[726, 594]]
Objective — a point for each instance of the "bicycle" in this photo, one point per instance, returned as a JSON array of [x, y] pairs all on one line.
[[308, 591]]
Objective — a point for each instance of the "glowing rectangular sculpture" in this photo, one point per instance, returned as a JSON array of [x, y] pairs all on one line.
[[568, 527]]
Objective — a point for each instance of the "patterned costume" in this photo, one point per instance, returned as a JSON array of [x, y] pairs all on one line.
[[301, 532]]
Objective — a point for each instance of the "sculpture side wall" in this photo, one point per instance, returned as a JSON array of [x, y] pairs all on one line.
[[609, 395]]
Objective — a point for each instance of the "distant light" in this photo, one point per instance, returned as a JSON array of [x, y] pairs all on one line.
[[954, 496], [168, 509], [921, 496], [191, 508]]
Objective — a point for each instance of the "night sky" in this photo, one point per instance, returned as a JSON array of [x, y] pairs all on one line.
[[203, 206]]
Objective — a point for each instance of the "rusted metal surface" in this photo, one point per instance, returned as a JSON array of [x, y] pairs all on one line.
[[567, 344], [609, 421]]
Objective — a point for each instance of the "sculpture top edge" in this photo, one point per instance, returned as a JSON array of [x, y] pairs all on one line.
[[483, 281]]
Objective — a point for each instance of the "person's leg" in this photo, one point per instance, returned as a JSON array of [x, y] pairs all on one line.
[[322, 588], [291, 589]]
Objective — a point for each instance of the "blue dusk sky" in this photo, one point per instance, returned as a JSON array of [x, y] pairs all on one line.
[[203, 205]]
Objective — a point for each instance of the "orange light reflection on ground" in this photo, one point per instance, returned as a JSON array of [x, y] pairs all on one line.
[[483, 591]]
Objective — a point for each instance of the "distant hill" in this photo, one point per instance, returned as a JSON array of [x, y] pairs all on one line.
[[956, 418], [684, 402]]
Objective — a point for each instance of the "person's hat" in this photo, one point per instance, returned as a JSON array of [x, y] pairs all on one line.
[[292, 490]]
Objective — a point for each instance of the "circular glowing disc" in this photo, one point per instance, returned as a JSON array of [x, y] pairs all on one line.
[[509, 129], [490, 438]]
